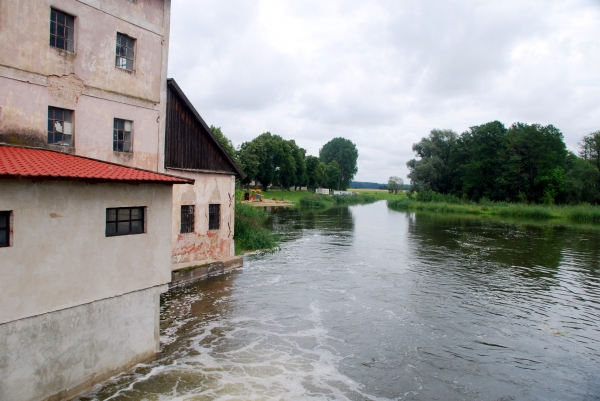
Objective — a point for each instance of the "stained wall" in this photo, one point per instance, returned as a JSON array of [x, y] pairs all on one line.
[[60, 256], [203, 244]]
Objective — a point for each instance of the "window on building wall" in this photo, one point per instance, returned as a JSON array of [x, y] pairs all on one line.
[[187, 219], [214, 217], [60, 126], [125, 52], [122, 138], [4, 228], [124, 221], [62, 30]]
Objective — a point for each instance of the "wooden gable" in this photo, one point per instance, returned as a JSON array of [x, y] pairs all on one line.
[[189, 143]]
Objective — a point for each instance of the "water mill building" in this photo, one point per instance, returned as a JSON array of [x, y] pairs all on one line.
[[88, 79]]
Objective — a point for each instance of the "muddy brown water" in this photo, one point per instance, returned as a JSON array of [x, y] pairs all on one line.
[[366, 303]]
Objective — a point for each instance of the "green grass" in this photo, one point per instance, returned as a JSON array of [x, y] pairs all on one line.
[[324, 201], [582, 214], [288, 196], [379, 194], [251, 232], [310, 199]]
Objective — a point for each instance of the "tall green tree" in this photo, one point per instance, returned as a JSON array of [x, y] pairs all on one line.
[[582, 179], [333, 175], [395, 184], [589, 148], [224, 141], [432, 169], [315, 171], [477, 161], [536, 162], [345, 153]]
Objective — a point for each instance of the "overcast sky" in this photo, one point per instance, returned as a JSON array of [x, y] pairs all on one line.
[[384, 73]]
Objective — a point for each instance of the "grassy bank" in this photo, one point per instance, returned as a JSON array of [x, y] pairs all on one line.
[[309, 199], [324, 201], [582, 214], [251, 232], [288, 196], [379, 194]]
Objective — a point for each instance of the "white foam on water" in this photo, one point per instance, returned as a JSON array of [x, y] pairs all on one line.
[[252, 358]]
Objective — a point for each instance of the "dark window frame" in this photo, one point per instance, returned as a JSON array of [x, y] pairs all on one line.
[[62, 30], [58, 117], [125, 52], [6, 228], [122, 139], [122, 222], [214, 216], [188, 216]]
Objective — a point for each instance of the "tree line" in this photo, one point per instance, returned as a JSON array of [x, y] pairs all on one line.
[[271, 160], [522, 163]]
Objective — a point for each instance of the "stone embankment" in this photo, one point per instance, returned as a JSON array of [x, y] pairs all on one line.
[[186, 272]]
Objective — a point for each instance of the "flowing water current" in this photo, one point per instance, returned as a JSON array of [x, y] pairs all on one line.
[[366, 303]]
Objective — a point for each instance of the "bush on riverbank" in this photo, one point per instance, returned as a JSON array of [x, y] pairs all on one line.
[[582, 213], [323, 201], [251, 234]]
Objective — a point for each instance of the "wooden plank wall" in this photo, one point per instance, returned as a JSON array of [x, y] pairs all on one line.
[[187, 144]]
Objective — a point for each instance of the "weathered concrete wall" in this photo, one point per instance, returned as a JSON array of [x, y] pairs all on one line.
[[60, 256], [60, 354], [188, 272], [203, 244], [35, 75], [26, 24], [24, 116]]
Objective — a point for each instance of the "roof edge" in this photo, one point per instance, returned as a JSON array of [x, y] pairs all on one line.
[[189, 180], [172, 83]]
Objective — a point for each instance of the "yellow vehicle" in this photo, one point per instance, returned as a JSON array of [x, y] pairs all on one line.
[[254, 195]]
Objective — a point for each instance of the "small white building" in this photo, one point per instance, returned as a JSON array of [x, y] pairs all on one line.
[[322, 191], [85, 251], [343, 193]]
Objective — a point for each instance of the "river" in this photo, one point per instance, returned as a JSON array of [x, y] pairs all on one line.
[[366, 303]]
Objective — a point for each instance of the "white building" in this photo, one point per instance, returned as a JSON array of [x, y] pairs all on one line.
[[85, 250]]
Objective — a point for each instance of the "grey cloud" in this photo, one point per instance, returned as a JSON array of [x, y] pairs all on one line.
[[384, 73]]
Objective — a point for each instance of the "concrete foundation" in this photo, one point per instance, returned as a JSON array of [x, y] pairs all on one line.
[[186, 272], [57, 355]]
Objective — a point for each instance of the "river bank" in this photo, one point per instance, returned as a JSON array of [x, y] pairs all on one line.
[[252, 229], [579, 214]]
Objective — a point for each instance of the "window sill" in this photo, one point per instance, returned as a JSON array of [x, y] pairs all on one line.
[[132, 72], [62, 148]]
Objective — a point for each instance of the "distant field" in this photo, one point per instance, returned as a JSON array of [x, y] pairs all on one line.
[[379, 194]]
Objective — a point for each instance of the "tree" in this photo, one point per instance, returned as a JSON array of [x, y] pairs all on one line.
[[395, 183], [224, 141], [315, 171], [590, 148], [433, 171], [344, 152], [537, 162], [581, 181], [477, 162], [333, 175]]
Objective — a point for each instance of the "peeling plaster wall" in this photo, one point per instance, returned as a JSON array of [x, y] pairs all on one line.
[[34, 75], [203, 244], [26, 24], [60, 256]]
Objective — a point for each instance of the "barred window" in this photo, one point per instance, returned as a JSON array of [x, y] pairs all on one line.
[[4, 229], [122, 135], [60, 126], [187, 219], [124, 221], [125, 52], [62, 30], [214, 217]]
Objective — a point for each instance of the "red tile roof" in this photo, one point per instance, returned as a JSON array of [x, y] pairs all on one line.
[[31, 163]]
